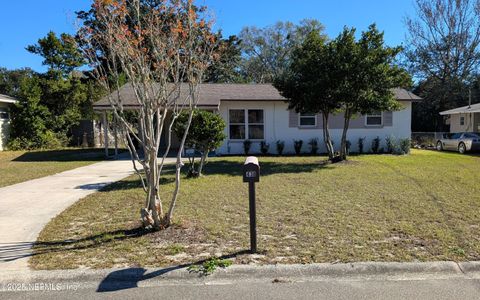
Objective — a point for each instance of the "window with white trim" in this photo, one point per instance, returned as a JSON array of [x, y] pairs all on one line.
[[255, 124], [307, 119], [374, 119], [237, 124], [245, 123], [462, 121]]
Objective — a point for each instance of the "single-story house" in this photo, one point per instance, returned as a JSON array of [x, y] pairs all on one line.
[[5, 103], [258, 112], [464, 119]]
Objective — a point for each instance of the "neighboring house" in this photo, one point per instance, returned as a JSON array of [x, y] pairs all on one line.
[[464, 119], [258, 112], [5, 103]]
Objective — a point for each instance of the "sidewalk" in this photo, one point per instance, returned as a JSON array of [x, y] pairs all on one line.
[[25, 208]]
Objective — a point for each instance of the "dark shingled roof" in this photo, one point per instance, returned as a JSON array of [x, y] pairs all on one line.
[[403, 94], [211, 94]]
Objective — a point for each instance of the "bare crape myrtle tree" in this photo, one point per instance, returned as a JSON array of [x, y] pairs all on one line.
[[161, 49]]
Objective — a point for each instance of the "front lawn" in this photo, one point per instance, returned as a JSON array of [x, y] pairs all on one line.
[[421, 207], [19, 166]]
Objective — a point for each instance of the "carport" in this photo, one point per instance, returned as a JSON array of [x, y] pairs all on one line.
[[209, 99], [464, 119]]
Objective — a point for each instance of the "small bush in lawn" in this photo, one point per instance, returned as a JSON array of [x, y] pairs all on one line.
[[376, 145], [264, 146], [390, 141], [280, 147], [246, 146], [361, 142], [404, 145], [297, 144], [313, 146], [45, 140]]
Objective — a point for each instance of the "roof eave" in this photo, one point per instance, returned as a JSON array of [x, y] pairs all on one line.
[[8, 101], [102, 107], [446, 113]]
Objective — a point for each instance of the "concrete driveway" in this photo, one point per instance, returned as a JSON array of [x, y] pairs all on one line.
[[25, 208]]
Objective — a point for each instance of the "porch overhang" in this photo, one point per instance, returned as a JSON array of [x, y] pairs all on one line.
[[475, 108], [7, 99]]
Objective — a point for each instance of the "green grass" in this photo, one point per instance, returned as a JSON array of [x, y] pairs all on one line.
[[421, 207], [20, 166]]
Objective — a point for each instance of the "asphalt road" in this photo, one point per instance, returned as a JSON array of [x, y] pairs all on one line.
[[282, 288]]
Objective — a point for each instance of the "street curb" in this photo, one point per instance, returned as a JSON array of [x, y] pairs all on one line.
[[252, 272]]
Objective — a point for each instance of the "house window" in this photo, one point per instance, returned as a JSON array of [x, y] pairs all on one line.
[[374, 119], [307, 119], [237, 124], [255, 124], [4, 114], [246, 123], [462, 121]]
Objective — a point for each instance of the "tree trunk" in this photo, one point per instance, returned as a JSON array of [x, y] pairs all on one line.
[[346, 124], [168, 218], [203, 159], [153, 211], [326, 136]]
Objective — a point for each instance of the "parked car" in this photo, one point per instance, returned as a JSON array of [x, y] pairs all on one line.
[[461, 142]]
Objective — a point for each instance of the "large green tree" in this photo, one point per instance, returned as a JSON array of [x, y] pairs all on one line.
[[60, 54], [364, 73], [66, 92], [443, 54], [227, 68], [28, 118], [307, 83], [10, 80], [267, 51], [355, 77]]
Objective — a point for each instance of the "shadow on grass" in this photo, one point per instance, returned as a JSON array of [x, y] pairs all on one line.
[[232, 168], [116, 280], [63, 155], [121, 185], [14, 251], [217, 167]]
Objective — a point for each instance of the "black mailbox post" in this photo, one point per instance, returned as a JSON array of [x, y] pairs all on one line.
[[251, 174]]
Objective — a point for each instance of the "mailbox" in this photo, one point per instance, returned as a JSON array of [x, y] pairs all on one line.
[[251, 174], [251, 170]]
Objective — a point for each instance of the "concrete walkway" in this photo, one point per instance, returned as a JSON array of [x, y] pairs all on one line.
[[25, 208]]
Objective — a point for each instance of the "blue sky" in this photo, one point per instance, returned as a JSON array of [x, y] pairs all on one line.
[[23, 22]]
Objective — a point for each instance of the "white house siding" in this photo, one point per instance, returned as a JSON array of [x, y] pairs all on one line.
[[468, 125], [277, 127], [4, 127]]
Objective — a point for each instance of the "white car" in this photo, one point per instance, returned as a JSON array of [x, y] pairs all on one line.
[[461, 142]]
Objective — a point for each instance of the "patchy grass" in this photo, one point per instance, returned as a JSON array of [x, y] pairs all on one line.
[[421, 207], [209, 266], [19, 166]]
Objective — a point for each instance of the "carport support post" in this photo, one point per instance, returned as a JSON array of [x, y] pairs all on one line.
[[105, 131]]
